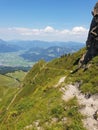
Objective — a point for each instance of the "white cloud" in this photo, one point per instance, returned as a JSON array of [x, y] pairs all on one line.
[[65, 31], [49, 29], [48, 33], [25, 31], [79, 30]]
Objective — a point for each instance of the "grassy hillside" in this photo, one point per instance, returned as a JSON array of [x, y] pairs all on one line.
[[38, 103], [18, 75], [9, 85]]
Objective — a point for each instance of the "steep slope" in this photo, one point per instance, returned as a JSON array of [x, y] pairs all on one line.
[[38, 104], [9, 85]]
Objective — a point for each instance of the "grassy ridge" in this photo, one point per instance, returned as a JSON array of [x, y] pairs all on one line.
[[40, 104]]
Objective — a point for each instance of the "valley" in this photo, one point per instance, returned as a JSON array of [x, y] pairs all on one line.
[[27, 53], [13, 59]]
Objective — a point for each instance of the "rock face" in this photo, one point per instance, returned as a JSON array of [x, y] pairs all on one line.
[[96, 115]]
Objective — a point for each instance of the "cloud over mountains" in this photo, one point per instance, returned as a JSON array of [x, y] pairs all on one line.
[[48, 33]]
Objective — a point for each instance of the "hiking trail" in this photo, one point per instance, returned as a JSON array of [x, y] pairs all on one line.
[[89, 105]]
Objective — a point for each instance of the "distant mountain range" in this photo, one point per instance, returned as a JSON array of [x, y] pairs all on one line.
[[36, 53], [46, 44], [12, 46], [33, 51]]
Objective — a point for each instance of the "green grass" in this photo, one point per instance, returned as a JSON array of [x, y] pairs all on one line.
[[44, 106], [7, 81], [40, 102], [19, 75], [8, 88], [88, 78]]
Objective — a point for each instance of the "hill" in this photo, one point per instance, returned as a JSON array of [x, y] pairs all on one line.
[[9, 85], [36, 54], [41, 102], [5, 47]]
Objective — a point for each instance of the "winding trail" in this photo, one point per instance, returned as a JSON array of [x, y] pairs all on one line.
[[21, 88], [14, 98], [88, 105]]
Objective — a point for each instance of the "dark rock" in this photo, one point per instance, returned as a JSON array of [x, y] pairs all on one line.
[[87, 96], [96, 115]]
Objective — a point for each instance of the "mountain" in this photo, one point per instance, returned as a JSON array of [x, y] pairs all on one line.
[[52, 98], [26, 53], [47, 54], [5, 47], [46, 44], [36, 54]]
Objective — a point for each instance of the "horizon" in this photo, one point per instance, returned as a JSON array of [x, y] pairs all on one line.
[[45, 20], [41, 41]]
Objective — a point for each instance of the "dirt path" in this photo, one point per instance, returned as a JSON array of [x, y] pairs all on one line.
[[14, 99], [17, 93], [21, 88], [36, 123], [90, 105], [60, 81]]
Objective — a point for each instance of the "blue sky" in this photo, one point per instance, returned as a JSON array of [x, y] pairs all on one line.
[[51, 20]]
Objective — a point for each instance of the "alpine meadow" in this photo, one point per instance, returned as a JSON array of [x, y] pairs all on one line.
[[48, 65]]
